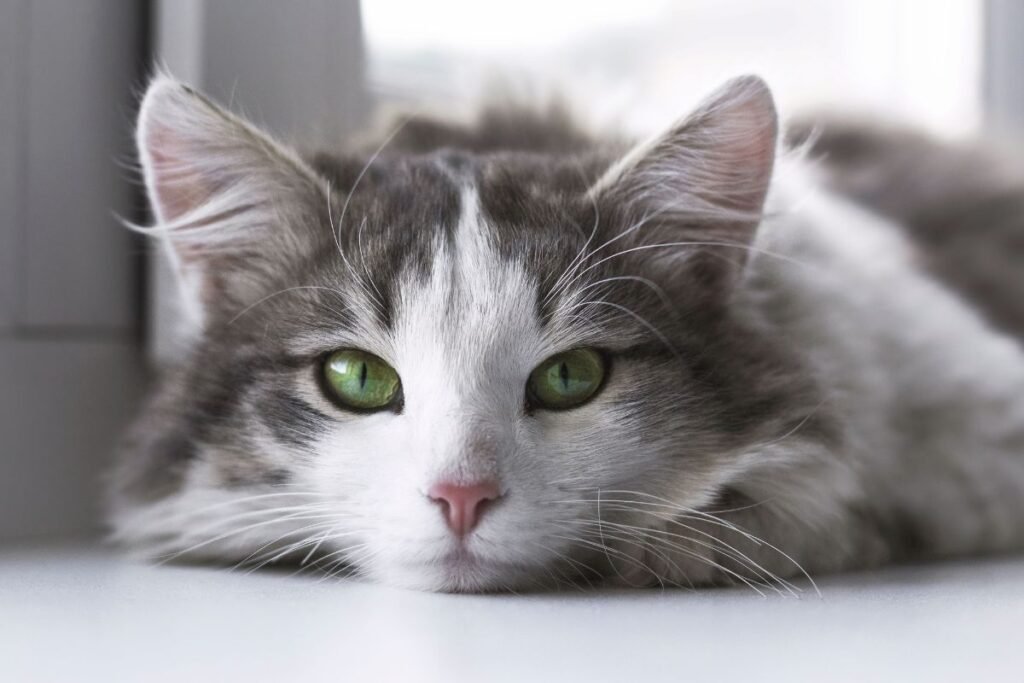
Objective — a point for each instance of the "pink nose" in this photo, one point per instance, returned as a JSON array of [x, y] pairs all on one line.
[[463, 503]]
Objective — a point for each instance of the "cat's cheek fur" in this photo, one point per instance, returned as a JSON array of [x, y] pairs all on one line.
[[207, 519]]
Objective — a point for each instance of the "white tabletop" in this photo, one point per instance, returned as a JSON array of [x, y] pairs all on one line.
[[73, 613]]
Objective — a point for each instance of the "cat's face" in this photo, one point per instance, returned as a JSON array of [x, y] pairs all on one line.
[[450, 370]]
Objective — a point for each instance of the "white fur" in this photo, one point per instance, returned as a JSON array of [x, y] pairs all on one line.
[[930, 398]]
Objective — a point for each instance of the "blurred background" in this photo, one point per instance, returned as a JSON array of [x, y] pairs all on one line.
[[85, 309]]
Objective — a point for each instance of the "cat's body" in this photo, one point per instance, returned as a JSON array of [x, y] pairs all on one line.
[[789, 387]]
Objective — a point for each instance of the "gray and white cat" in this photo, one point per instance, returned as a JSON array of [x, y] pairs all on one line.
[[514, 356]]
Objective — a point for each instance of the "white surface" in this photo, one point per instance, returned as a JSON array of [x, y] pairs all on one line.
[[82, 615]]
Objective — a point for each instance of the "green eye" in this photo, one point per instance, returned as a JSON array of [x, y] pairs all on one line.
[[360, 380], [566, 380]]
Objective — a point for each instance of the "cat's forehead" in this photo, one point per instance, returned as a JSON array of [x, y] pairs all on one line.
[[533, 206], [470, 324], [404, 219], [475, 251]]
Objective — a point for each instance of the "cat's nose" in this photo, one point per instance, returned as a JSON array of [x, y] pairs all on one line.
[[463, 504]]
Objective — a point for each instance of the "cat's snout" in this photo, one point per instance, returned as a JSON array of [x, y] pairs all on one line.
[[463, 504]]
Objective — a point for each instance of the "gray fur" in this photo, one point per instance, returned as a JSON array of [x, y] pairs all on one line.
[[963, 205], [789, 391]]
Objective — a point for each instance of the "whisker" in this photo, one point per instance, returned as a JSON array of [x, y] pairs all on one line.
[[305, 515], [285, 291], [729, 551], [679, 513], [276, 553], [650, 326], [570, 269]]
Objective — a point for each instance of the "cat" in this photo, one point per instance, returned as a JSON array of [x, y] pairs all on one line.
[[521, 356]]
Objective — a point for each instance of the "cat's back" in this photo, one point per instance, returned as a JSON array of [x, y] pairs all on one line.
[[961, 204], [929, 395]]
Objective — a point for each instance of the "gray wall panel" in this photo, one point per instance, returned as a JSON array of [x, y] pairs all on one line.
[[83, 59], [13, 17], [70, 373], [296, 67], [62, 405], [1004, 64]]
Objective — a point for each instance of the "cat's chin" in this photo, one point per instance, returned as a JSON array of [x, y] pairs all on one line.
[[458, 573]]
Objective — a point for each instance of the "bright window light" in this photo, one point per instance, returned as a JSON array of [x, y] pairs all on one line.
[[641, 63]]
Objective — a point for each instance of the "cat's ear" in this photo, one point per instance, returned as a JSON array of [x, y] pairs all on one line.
[[704, 180], [230, 201]]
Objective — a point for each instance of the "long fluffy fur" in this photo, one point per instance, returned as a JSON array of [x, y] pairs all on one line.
[[790, 392]]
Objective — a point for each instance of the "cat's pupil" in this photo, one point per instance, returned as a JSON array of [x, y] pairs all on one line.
[[362, 376], [563, 373]]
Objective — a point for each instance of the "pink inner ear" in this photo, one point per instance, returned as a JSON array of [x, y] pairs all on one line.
[[175, 183], [717, 162], [747, 152]]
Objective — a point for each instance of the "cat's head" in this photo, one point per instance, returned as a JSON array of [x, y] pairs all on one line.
[[452, 369]]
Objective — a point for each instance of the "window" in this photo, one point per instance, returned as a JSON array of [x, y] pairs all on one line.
[[642, 63]]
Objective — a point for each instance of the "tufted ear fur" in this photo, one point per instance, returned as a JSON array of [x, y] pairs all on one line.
[[230, 202], [705, 180]]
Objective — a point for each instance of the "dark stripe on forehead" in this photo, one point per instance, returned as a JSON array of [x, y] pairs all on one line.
[[538, 213], [394, 218], [457, 166]]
